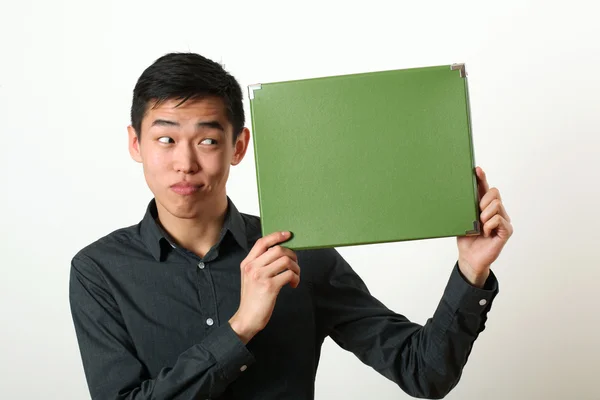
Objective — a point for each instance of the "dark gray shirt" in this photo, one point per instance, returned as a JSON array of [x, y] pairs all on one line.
[[152, 321]]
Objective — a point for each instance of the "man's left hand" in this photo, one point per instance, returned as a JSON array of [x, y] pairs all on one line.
[[477, 253]]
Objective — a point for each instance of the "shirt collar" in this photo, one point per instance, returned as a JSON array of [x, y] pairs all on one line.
[[234, 223], [158, 241]]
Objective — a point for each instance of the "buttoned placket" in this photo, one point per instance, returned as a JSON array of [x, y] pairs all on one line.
[[206, 288], [205, 285]]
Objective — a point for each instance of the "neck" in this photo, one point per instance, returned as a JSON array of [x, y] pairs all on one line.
[[198, 234]]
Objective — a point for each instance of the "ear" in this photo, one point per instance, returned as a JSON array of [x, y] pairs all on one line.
[[134, 145], [241, 145]]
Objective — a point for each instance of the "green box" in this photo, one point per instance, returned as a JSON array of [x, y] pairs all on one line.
[[366, 158]]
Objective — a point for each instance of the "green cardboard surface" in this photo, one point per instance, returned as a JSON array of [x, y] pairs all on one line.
[[365, 158]]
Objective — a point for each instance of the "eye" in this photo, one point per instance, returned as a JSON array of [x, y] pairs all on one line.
[[165, 139], [208, 141]]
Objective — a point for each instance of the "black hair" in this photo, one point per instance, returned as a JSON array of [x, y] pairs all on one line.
[[185, 76]]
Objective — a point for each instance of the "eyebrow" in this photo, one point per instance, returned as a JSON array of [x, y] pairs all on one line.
[[202, 124]]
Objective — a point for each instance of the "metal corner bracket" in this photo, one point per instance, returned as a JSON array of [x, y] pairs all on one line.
[[252, 88], [461, 68], [476, 229]]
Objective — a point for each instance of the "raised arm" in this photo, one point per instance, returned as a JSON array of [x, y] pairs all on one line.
[[425, 361]]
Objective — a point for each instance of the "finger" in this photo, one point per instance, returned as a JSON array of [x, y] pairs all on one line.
[[279, 266], [490, 225], [264, 243], [500, 225], [285, 278], [495, 207], [482, 183], [273, 254], [490, 196]]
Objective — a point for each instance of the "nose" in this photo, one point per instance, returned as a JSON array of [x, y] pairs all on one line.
[[185, 159]]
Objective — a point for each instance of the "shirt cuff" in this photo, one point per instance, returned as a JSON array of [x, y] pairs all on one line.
[[230, 353], [463, 296]]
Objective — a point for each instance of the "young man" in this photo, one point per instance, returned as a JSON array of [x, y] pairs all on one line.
[[192, 303]]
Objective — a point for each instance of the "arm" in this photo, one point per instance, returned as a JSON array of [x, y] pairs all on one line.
[[109, 358], [425, 361]]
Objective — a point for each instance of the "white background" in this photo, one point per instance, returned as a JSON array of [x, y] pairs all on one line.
[[67, 70]]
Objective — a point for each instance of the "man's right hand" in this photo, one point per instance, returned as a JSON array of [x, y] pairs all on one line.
[[265, 270]]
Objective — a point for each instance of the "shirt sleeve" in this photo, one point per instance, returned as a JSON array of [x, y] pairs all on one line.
[[425, 361], [109, 358]]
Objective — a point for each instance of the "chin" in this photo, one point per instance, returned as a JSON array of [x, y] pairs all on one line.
[[183, 213], [186, 207], [183, 210]]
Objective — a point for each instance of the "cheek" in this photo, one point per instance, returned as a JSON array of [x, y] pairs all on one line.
[[155, 163], [215, 161], [216, 164]]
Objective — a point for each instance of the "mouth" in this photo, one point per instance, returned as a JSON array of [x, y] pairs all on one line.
[[185, 188]]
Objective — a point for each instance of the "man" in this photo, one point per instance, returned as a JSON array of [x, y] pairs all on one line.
[[192, 303]]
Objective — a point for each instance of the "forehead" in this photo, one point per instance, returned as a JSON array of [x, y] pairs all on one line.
[[191, 110]]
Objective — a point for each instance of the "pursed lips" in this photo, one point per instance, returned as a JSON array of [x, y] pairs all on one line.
[[185, 188]]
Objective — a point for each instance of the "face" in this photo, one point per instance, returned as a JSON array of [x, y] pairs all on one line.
[[186, 152]]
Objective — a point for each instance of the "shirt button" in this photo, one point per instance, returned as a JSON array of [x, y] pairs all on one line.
[[482, 302], [243, 368], [201, 265], [209, 322]]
